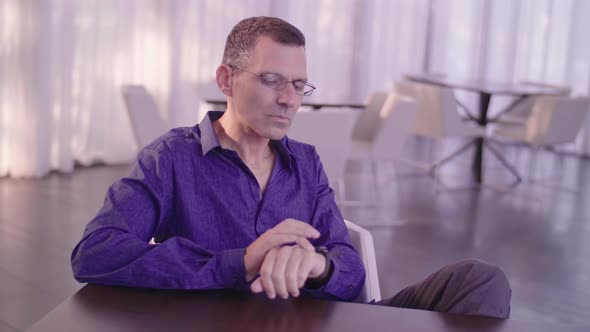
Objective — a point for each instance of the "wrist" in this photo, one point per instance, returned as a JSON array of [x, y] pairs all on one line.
[[327, 270], [319, 267], [249, 268]]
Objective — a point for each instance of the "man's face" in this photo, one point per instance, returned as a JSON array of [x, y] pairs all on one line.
[[267, 111]]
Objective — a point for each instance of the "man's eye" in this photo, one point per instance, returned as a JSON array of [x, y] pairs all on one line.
[[299, 85], [270, 79]]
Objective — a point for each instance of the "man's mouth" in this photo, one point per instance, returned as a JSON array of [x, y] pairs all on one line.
[[280, 117]]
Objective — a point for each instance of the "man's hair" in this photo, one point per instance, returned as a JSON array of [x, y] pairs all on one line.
[[241, 41]]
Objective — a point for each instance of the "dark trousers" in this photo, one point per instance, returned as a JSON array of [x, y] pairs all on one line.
[[467, 287]]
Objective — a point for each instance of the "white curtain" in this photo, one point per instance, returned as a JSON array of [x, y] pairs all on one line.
[[506, 40], [62, 62]]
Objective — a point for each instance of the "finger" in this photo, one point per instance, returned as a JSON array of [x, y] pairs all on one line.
[[266, 273], [256, 252], [291, 273], [278, 273], [305, 268], [305, 244], [256, 286], [277, 240], [296, 227]]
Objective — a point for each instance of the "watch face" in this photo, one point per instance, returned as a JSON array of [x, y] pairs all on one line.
[[323, 279], [322, 250]]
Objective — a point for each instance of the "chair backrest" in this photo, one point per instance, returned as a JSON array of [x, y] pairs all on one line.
[[146, 122], [444, 102], [437, 115], [362, 240], [397, 115], [329, 131], [524, 107], [428, 118], [368, 121], [556, 120]]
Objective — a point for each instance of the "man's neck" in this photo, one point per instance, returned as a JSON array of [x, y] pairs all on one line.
[[234, 135]]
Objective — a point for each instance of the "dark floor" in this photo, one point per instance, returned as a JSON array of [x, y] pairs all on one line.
[[535, 232]]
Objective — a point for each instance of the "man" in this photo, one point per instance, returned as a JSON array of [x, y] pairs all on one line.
[[234, 203]]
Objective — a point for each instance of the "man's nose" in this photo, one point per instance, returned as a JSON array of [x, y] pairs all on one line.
[[287, 95]]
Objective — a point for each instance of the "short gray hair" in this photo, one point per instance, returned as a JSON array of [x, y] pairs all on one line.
[[242, 39]]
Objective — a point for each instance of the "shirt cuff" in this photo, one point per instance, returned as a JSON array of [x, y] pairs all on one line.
[[232, 269], [320, 281], [335, 288]]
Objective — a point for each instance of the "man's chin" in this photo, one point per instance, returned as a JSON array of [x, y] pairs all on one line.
[[277, 137], [276, 134]]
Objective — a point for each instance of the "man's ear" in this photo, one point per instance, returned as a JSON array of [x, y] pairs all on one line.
[[224, 79]]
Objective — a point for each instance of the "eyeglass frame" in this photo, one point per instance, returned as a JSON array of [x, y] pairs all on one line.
[[283, 79]]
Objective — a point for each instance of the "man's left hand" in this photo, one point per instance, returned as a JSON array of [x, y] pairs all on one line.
[[285, 270]]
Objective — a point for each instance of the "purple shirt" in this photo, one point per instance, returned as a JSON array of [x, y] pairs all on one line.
[[204, 207]]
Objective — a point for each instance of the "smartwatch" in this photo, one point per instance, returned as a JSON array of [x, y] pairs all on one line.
[[319, 281]]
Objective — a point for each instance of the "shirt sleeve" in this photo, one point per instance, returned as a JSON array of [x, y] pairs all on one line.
[[115, 248], [348, 276]]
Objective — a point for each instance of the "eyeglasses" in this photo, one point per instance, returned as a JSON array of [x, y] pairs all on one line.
[[278, 82]]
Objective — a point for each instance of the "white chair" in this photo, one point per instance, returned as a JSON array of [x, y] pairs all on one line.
[[553, 121], [146, 121], [438, 115], [362, 240], [329, 131], [438, 118], [517, 112], [368, 121], [396, 117]]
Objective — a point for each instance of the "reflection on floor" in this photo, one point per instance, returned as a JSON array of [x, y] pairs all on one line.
[[535, 232]]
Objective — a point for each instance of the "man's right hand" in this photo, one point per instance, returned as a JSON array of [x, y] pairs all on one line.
[[288, 231]]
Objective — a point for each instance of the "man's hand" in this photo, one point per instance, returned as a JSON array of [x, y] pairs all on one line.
[[285, 270], [288, 231]]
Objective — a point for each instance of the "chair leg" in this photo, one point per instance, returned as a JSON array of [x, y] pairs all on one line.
[[375, 180], [498, 156], [532, 161], [416, 164], [439, 163], [533, 180], [341, 189], [342, 196]]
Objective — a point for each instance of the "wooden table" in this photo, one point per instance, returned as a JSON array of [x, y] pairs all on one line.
[[316, 105], [103, 308], [486, 89]]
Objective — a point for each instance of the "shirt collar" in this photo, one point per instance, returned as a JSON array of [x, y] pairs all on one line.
[[209, 139], [284, 152]]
